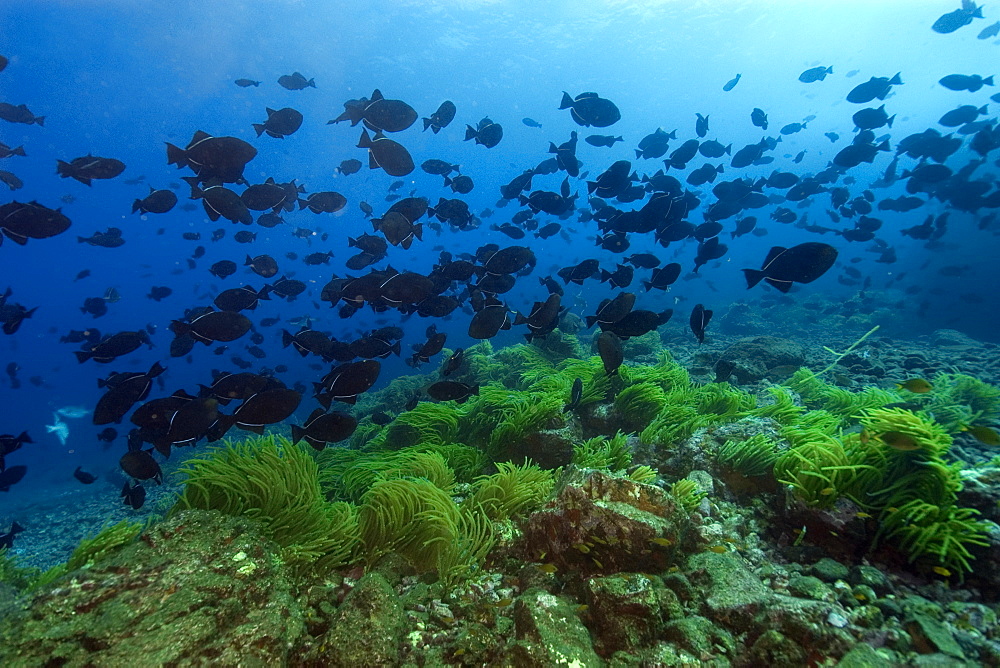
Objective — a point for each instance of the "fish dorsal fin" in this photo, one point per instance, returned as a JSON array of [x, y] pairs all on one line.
[[773, 255], [585, 96], [269, 111], [314, 415], [200, 135], [376, 95]]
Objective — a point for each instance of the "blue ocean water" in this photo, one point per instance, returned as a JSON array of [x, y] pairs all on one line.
[[118, 79]]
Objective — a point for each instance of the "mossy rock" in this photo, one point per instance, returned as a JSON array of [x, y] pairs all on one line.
[[200, 588]]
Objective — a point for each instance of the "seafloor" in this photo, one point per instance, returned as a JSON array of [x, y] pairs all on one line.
[[771, 499]]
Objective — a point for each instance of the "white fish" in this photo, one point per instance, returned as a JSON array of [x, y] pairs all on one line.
[[72, 412], [60, 428]]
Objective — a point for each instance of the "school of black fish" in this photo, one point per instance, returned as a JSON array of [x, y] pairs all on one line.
[[661, 194]]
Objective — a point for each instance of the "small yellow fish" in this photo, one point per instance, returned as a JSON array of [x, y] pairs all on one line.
[[985, 435], [915, 385], [862, 515], [583, 607], [597, 563], [503, 603], [718, 549], [897, 440], [459, 652], [827, 491], [582, 548], [662, 542], [942, 571], [548, 568], [860, 597]]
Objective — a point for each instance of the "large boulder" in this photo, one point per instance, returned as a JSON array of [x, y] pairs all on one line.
[[751, 359]]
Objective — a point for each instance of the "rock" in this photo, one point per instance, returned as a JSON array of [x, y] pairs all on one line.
[[732, 593], [829, 570], [368, 628], [807, 623], [700, 636], [549, 633], [197, 589], [772, 648], [930, 635], [864, 655], [872, 577], [952, 338], [628, 611], [807, 586], [750, 359], [606, 524]]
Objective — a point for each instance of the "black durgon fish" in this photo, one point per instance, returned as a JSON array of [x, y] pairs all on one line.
[[699, 320], [124, 391], [12, 315], [588, 109], [876, 87], [213, 158], [663, 277], [575, 395], [609, 347], [83, 476], [701, 125], [157, 201], [566, 155], [731, 84], [489, 320], [451, 390], [759, 118], [953, 20], [7, 539], [969, 82], [139, 464], [245, 83], [112, 238], [378, 113], [441, 118], [453, 363], [213, 326], [531, 123], [323, 202], [90, 167], [221, 202], [542, 319], [264, 266], [602, 140], [814, 74], [803, 263], [280, 123], [655, 144], [422, 353], [295, 81], [486, 133], [386, 154], [346, 381], [349, 166], [322, 428], [113, 346], [133, 495], [224, 268], [19, 114]]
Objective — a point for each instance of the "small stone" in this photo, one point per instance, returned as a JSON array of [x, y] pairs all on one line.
[[829, 570], [871, 576], [807, 586], [864, 655], [836, 620], [929, 635]]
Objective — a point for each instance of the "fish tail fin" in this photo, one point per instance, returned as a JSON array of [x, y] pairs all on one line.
[[396, 348], [40, 120], [176, 156], [567, 101], [988, 81], [591, 321], [753, 277], [890, 120], [895, 80], [259, 128], [470, 132], [136, 205], [647, 285], [427, 123], [297, 433], [20, 149], [82, 355], [638, 153]]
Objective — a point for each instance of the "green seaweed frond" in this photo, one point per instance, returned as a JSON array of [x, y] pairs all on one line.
[[612, 454], [958, 400], [721, 402], [276, 483], [14, 575], [638, 404], [675, 422], [818, 470], [940, 534], [596, 383], [465, 461], [687, 493], [783, 410], [751, 457], [511, 492], [428, 422], [643, 474], [926, 434], [666, 373]]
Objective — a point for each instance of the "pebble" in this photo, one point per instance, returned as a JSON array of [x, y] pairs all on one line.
[[836, 619]]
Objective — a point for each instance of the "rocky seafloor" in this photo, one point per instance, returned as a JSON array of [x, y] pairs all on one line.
[[611, 568]]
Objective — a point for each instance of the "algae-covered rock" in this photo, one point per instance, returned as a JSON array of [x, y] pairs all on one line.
[[829, 570], [872, 577], [807, 586], [864, 655], [815, 625], [732, 593], [628, 611], [606, 524], [930, 635], [368, 629], [700, 636], [773, 648], [751, 359], [550, 633], [201, 588]]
